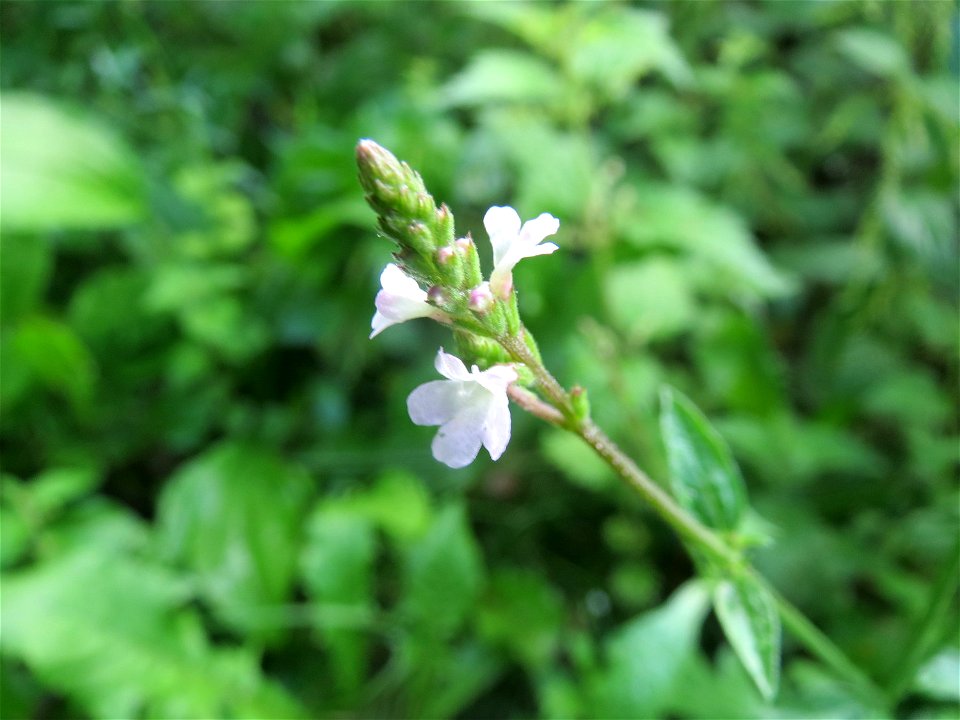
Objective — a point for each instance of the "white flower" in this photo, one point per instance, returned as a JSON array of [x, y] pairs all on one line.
[[511, 243], [471, 408], [399, 300]]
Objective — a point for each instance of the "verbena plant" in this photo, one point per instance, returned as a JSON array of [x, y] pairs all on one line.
[[437, 275]]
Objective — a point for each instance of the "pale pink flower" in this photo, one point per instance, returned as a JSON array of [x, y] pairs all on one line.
[[400, 299], [471, 408], [511, 243]]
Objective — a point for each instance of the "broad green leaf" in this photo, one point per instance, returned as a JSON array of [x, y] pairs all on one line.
[[337, 569], [56, 487], [442, 575], [25, 264], [650, 300], [399, 504], [679, 218], [504, 76], [50, 352], [108, 632], [523, 613], [645, 658], [874, 51], [751, 622], [62, 169], [703, 474], [616, 47], [234, 516]]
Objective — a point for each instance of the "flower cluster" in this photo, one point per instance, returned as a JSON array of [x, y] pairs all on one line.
[[438, 277]]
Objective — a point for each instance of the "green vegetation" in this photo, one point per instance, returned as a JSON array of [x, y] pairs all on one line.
[[213, 503]]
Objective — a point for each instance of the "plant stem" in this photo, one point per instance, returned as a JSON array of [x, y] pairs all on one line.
[[938, 607], [561, 412]]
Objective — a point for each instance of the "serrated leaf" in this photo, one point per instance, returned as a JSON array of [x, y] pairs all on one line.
[[62, 169], [234, 516], [751, 622], [704, 476]]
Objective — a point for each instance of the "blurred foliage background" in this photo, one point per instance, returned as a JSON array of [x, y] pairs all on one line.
[[213, 503]]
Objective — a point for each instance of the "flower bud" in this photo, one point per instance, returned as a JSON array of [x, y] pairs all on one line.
[[471, 261], [481, 299]]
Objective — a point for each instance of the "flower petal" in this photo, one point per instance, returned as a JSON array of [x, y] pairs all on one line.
[[458, 441], [533, 231], [450, 366], [503, 227], [496, 429], [396, 281], [496, 379], [436, 402], [379, 323]]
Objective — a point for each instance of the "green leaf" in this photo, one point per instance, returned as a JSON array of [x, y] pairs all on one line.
[[751, 622], [503, 76], [51, 352], [62, 169], [650, 299], [234, 516], [106, 631], [25, 264], [874, 51], [442, 575], [681, 219], [617, 47], [337, 568], [645, 658], [523, 613], [703, 474]]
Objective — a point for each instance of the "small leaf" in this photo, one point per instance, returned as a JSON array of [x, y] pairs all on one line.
[[337, 568], [703, 474], [751, 623], [64, 170], [234, 516], [646, 656], [503, 76], [650, 299], [51, 352], [443, 573]]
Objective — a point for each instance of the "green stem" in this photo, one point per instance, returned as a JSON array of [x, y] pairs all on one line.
[[938, 607], [561, 412], [822, 647]]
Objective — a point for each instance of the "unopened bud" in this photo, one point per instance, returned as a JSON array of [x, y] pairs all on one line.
[[438, 296], [471, 261], [481, 299], [445, 255], [420, 237], [580, 402]]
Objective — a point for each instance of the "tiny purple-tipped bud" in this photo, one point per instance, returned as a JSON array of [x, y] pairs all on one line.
[[437, 295], [481, 299], [445, 254], [464, 244]]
